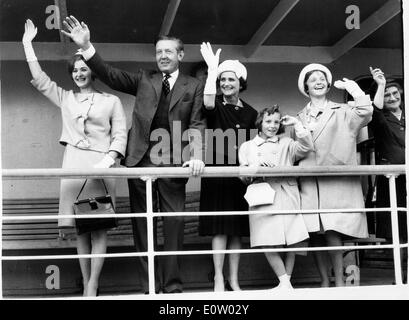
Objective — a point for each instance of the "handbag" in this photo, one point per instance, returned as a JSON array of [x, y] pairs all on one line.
[[96, 205], [258, 194]]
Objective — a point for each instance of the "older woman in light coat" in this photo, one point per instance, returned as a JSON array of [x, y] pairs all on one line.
[[334, 128]]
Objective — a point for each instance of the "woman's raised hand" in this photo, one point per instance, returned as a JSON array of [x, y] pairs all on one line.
[[378, 76], [211, 59], [349, 85], [30, 31], [78, 32], [288, 121]]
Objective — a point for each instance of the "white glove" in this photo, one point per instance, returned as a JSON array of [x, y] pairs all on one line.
[[29, 34], [105, 163], [351, 86], [212, 61]]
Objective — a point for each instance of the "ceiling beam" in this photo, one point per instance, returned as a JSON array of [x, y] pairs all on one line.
[[274, 19], [62, 7], [117, 52], [169, 17], [369, 26]]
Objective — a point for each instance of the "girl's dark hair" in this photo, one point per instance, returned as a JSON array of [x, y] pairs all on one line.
[[307, 76], [268, 111], [243, 84], [71, 63]]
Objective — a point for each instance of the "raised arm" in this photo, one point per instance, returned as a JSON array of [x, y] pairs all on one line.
[[212, 61], [30, 31], [303, 144], [40, 79], [380, 80], [115, 78], [360, 114]]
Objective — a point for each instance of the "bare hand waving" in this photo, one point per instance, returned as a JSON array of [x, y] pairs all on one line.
[[78, 32], [378, 76]]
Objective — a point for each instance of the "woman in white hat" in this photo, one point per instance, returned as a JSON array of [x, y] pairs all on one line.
[[334, 128], [228, 116]]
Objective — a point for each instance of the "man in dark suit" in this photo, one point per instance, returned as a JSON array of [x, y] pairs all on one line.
[[168, 105]]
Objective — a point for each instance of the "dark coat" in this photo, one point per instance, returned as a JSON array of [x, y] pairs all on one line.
[[389, 134]]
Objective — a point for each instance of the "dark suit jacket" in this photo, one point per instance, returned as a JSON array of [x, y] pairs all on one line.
[[185, 111]]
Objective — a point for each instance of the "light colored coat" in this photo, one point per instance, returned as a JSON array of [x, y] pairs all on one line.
[[95, 122], [335, 144], [267, 229]]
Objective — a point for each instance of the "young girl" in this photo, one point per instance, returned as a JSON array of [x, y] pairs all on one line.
[[270, 149]]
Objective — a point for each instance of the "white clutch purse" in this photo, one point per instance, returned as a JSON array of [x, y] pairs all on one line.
[[258, 194]]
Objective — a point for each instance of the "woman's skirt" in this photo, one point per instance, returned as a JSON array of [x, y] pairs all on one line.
[[75, 158]]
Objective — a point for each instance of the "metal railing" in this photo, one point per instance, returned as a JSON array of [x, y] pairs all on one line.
[[390, 171]]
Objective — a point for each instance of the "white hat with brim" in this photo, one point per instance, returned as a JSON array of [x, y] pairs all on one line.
[[234, 66], [312, 67]]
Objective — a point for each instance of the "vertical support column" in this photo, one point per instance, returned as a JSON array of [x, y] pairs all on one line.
[[395, 229], [150, 235], [1, 248]]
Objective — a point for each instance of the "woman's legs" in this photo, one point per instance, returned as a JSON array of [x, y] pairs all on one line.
[[234, 259], [320, 258], [99, 245], [84, 247], [219, 242], [334, 240], [289, 263]]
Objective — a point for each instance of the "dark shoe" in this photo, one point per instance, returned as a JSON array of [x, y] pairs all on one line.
[[174, 291], [227, 286]]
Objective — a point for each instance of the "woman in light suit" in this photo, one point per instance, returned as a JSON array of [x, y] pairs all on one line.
[[94, 135], [334, 128]]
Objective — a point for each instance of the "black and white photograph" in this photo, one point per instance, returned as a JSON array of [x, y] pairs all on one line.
[[203, 155]]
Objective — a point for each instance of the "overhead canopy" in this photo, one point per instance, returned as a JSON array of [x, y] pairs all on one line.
[[253, 30]]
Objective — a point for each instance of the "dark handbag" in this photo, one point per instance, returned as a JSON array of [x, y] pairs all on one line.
[[96, 205]]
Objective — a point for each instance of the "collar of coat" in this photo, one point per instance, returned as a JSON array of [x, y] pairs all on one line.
[[392, 118], [326, 115], [259, 140]]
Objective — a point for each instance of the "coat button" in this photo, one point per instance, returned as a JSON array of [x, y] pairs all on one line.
[[235, 147], [402, 128], [237, 126], [237, 108]]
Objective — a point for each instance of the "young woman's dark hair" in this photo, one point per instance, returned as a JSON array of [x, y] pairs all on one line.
[[268, 111], [307, 76], [71, 64]]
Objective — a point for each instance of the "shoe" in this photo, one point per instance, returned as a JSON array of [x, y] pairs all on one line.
[[177, 290], [228, 286]]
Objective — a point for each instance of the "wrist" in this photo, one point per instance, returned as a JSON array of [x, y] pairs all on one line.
[[357, 93], [86, 45]]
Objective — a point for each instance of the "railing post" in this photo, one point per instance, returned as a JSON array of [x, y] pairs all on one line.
[[150, 235], [395, 229]]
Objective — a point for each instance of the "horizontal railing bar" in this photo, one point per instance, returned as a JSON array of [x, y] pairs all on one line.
[[198, 252], [179, 172], [194, 213]]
